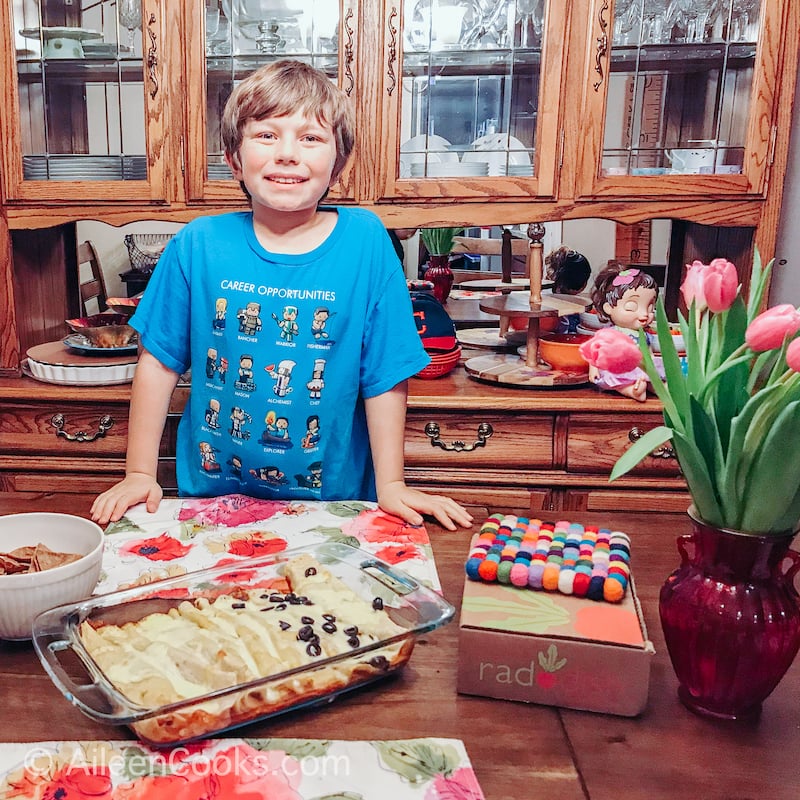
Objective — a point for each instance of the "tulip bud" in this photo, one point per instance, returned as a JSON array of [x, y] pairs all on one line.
[[768, 330], [720, 282], [692, 286], [793, 355], [611, 350]]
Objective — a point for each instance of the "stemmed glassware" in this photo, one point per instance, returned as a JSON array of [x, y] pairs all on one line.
[[212, 23], [530, 15], [129, 13]]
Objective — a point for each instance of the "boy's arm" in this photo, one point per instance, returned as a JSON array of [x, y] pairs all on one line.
[[386, 418], [153, 385]]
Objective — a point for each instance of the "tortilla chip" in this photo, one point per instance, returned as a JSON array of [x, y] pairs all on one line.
[[22, 553], [10, 566], [34, 559], [45, 558]]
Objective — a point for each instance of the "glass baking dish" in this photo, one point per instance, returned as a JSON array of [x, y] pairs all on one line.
[[61, 648]]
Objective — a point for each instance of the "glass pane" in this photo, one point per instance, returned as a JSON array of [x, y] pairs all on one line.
[[679, 90], [241, 35], [470, 87], [81, 90]]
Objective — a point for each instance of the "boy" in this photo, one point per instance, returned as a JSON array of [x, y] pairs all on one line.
[[288, 133]]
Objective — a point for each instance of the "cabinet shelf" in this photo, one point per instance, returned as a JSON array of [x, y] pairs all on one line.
[[681, 57], [95, 70]]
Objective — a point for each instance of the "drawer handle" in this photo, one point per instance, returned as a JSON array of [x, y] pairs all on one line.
[[665, 451], [485, 430], [103, 427]]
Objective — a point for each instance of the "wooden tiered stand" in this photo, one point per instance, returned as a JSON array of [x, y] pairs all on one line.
[[529, 371]]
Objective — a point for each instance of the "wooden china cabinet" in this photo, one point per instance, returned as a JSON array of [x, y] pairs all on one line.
[[473, 112]]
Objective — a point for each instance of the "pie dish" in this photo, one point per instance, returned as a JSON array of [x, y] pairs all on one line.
[[192, 656]]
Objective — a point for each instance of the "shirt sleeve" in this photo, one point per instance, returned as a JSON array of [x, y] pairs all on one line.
[[392, 350], [163, 316]]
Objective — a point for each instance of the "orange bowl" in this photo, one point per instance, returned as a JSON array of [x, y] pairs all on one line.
[[560, 351], [546, 324]]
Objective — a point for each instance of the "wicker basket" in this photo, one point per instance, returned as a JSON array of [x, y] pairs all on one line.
[[144, 249]]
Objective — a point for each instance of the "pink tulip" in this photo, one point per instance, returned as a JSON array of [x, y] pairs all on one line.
[[720, 282], [793, 355], [768, 330], [612, 350], [692, 286]]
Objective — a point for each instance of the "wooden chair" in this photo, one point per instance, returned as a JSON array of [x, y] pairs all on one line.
[[94, 286]]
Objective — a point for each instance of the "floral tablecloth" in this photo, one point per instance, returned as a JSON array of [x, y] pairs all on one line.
[[240, 769], [195, 533]]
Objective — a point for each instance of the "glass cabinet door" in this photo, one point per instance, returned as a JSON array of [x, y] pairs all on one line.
[[470, 97], [682, 90], [83, 95], [231, 39]]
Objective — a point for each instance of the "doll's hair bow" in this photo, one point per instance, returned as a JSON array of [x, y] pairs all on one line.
[[625, 277]]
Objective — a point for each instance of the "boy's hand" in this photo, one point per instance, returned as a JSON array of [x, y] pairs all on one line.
[[136, 487], [410, 504]]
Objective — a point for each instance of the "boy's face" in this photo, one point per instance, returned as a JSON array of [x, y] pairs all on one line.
[[286, 162]]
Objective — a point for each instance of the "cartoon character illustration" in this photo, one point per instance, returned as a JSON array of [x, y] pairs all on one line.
[[276, 431], [239, 417], [271, 475], [212, 413], [211, 363], [317, 382], [220, 312], [627, 298], [235, 463], [313, 480], [282, 376], [222, 368], [320, 320], [208, 457], [249, 319], [288, 323], [312, 437], [245, 379]]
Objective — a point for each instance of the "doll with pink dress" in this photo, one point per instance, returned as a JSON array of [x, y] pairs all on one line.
[[626, 297]]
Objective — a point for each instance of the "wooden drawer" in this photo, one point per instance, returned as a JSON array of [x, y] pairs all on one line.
[[64, 429], [461, 440], [627, 500], [596, 441]]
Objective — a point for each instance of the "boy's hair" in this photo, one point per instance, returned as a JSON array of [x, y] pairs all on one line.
[[568, 269], [281, 88], [607, 291]]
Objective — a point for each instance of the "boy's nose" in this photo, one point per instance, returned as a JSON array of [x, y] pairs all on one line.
[[287, 149]]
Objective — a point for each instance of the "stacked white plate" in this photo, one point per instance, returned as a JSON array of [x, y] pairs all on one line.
[[84, 168], [455, 169], [52, 362]]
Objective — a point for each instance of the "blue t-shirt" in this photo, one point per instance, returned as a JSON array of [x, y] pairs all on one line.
[[282, 350]]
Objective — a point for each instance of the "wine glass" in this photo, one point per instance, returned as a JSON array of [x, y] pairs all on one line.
[[212, 23], [530, 16], [129, 13]]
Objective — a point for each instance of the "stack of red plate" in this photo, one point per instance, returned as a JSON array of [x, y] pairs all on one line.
[[441, 363]]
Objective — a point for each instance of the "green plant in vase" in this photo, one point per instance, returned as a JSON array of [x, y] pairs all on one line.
[[730, 612], [439, 244]]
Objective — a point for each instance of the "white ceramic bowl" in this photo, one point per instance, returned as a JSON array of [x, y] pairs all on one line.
[[25, 595]]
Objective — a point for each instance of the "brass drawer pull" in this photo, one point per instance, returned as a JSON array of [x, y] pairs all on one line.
[[103, 427], [665, 451], [485, 430]]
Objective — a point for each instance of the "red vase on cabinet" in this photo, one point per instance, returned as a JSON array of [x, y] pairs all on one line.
[[440, 275], [731, 618]]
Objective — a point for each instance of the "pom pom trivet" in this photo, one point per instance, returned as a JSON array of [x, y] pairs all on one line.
[[560, 556]]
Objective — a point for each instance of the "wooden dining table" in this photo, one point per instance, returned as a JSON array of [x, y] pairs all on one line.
[[519, 751]]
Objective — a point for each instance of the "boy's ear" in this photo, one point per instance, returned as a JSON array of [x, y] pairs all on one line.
[[233, 161]]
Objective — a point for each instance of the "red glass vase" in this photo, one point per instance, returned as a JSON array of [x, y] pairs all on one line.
[[440, 275], [731, 618]]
